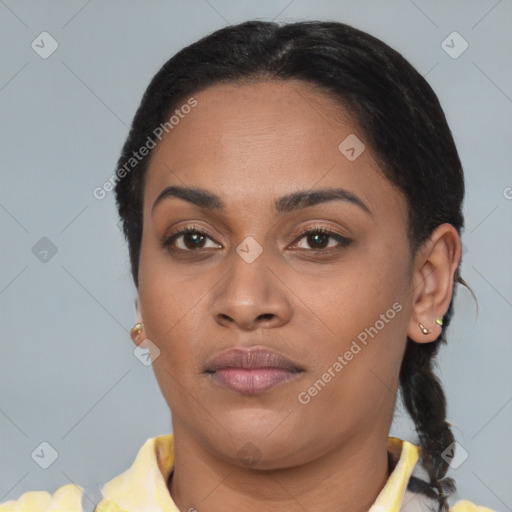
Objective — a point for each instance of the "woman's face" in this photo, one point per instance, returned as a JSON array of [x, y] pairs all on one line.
[[338, 308]]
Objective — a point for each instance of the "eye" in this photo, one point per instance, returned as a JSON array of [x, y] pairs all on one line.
[[191, 238], [318, 240]]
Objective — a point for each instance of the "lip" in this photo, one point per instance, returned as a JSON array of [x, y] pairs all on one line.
[[250, 371]]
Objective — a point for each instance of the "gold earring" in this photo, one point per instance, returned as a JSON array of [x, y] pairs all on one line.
[[439, 321], [424, 330], [136, 330]]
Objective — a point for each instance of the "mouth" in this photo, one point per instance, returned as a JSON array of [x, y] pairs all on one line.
[[251, 371]]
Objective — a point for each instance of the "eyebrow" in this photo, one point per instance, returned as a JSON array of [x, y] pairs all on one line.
[[288, 203]]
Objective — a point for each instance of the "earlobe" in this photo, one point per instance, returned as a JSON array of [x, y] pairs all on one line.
[[431, 334], [137, 333], [136, 330]]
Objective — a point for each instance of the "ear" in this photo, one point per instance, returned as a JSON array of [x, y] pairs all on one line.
[[139, 338], [435, 265]]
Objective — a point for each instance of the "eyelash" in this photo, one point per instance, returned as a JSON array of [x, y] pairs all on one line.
[[344, 242]]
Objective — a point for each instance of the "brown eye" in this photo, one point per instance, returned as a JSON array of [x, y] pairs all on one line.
[[187, 239], [192, 240], [318, 240]]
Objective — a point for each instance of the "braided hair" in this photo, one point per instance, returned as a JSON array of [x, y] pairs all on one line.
[[425, 402], [401, 119]]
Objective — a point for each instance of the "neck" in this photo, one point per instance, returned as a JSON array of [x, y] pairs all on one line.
[[201, 481]]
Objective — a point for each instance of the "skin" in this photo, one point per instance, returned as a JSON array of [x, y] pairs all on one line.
[[251, 144]]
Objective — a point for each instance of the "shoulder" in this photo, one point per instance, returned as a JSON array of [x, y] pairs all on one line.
[[155, 455], [68, 497], [463, 506]]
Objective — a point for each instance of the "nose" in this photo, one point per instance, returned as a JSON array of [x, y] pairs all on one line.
[[252, 295]]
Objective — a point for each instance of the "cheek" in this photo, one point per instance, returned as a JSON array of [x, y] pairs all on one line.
[[173, 307], [355, 383], [365, 294], [164, 299], [171, 317], [167, 306], [363, 322]]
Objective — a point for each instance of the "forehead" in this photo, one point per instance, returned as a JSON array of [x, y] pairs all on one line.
[[266, 139]]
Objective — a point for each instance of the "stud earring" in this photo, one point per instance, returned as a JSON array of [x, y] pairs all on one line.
[[424, 330], [136, 330], [439, 321]]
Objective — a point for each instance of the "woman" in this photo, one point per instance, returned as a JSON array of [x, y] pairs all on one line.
[[292, 201]]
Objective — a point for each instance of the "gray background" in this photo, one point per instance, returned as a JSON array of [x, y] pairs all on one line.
[[68, 375]]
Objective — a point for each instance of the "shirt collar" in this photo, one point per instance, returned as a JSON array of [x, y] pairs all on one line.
[[143, 487]]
